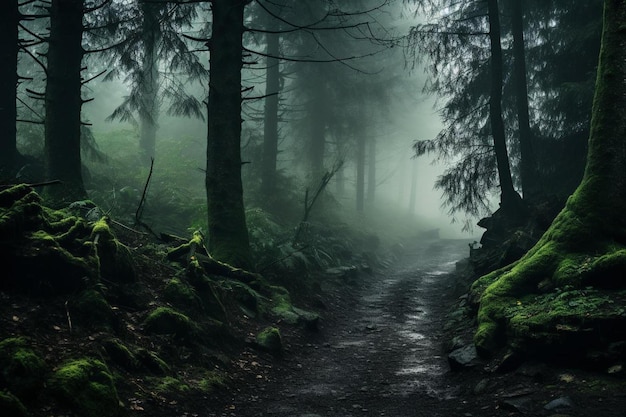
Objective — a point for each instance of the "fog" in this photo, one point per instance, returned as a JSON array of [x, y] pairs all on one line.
[[376, 94]]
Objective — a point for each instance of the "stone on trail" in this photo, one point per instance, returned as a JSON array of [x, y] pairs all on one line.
[[561, 402], [464, 357]]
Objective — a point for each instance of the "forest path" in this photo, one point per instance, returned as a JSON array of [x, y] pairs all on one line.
[[380, 354]]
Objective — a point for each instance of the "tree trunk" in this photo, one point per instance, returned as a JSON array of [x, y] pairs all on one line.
[[360, 169], [270, 125], [585, 246], [530, 184], [509, 199], [63, 101], [413, 194], [149, 109], [371, 170], [9, 19], [228, 233], [317, 144]]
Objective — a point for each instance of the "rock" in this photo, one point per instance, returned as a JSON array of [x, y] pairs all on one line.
[[21, 368], [481, 387], [11, 406], [519, 404], [561, 402], [86, 385], [509, 362], [270, 340], [165, 320], [464, 357]]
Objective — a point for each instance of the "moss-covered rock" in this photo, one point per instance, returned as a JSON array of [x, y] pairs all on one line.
[[180, 294], [119, 354], [86, 386], [169, 385], [91, 309], [165, 320], [23, 370], [11, 406], [282, 308], [152, 362], [44, 250], [270, 340]]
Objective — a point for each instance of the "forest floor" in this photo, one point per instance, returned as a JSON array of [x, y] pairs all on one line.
[[382, 351]]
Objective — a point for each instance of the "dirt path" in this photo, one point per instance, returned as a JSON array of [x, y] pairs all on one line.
[[380, 352], [380, 355]]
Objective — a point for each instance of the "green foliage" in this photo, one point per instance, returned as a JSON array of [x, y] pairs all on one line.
[[175, 201]]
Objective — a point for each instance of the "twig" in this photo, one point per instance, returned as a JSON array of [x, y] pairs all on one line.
[[289, 255], [139, 211], [33, 185], [69, 318], [308, 204]]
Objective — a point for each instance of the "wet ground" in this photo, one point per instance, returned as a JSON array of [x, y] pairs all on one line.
[[381, 351], [380, 356]]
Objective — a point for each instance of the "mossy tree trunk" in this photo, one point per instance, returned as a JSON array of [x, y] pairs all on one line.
[[228, 233], [9, 20], [509, 199], [586, 244], [63, 101]]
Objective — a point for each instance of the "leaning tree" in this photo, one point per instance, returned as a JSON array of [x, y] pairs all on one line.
[[584, 249]]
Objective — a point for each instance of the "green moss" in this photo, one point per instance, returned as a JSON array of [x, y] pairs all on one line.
[[91, 309], [270, 340], [165, 320], [210, 381], [115, 260], [23, 370], [180, 294], [169, 385], [152, 362], [86, 385], [119, 354], [11, 406], [47, 266]]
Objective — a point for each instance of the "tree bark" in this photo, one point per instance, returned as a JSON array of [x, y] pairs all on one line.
[[270, 125], [228, 233], [9, 20], [149, 110], [509, 199], [530, 184], [413, 193], [63, 101], [371, 170], [360, 169], [585, 246], [317, 138]]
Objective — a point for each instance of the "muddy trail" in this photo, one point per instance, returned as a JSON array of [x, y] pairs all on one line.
[[379, 353]]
